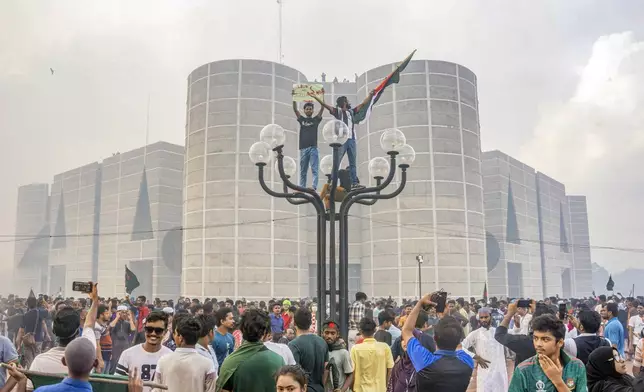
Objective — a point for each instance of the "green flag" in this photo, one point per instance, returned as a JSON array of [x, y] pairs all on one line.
[[131, 281], [364, 111]]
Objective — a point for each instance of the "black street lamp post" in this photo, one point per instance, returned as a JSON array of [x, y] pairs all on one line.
[[419, 259], [335, 133]]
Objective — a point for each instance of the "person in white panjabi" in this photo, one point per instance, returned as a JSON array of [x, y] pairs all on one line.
[[492, 372]]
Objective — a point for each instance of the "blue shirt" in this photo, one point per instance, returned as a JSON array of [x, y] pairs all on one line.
[[395, 332], [67, 385], [277, 323], [8, 354], [443, 370], [422, 357], [614, 331], [223, 346]]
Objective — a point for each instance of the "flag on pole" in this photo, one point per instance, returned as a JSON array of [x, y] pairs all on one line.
[[485, 292], [31, 294], [131, 281], [610, 284], [394, 77]]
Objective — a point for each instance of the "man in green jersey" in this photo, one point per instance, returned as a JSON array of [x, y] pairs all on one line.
[[551, 370]]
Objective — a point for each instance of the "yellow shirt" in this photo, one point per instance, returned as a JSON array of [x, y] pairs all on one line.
[[371, 359]]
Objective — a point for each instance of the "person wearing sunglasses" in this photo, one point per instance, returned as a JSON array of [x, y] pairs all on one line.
[[606, 372], [145, 356]]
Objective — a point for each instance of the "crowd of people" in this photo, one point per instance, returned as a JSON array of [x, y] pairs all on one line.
[[211, 345]]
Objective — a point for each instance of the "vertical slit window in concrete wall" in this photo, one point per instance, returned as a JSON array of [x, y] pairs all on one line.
[[512, 226], [515, 280], [541, 242], [566, 283], [97, 223], [563, 238], [142, 227], [59, 241], [493, 251]]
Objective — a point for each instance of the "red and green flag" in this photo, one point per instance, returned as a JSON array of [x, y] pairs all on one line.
[[363, 113]]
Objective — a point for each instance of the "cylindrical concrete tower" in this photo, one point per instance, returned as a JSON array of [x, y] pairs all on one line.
[[440, 213], [239, 241]]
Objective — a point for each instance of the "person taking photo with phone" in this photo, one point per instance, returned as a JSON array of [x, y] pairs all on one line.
[[448, 368]]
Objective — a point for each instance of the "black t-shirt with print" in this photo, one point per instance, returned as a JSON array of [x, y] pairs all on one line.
[[309, 131]]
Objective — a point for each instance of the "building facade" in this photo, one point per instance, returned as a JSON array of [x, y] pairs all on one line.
[[534, 232], [125, 210], [31, 253], [140, 221], [75, 210], [580, 246], [512, 227], [440, 212], [245, 243], [253, 245]]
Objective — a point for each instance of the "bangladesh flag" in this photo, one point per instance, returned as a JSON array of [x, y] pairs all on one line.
[[394, 77], [131, 281]]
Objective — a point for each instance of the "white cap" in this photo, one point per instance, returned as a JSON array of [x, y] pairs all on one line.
[[122, 308], [168, 310]]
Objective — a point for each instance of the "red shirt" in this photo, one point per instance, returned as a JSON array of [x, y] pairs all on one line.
[[144, 311], [287, 320]]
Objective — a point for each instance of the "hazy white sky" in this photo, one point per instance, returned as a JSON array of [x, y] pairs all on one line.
[[559, 81]]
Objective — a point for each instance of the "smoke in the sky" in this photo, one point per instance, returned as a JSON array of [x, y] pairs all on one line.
[[594, 143]]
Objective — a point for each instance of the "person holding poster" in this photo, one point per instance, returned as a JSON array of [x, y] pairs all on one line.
[[308, 141]]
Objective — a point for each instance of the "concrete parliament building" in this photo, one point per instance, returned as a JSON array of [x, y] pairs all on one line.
[[237, 241]]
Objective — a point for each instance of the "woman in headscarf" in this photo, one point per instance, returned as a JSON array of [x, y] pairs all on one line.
[[606, 372]]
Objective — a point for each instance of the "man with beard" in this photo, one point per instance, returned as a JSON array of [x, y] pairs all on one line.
[[145, 356], [551, 370], [339, 367], [143, 312], [103, 338], [492, 374], [121, 328]]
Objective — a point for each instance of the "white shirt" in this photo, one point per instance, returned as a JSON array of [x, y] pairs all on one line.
[[208, 353], [637, 324], [524, 327], [144, 361], [186, 370], [283, 352], [51, 361], [495, 377]]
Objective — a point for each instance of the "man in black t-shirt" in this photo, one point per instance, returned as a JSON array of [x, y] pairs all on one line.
[[308, 142]]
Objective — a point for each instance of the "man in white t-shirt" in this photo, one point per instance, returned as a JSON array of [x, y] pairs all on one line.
[[279, 348], [144, 357], [185, 369], [66, 327], [635, 326]]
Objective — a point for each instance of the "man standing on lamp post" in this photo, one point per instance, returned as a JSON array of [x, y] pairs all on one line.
[[345, 113], [308, 141]]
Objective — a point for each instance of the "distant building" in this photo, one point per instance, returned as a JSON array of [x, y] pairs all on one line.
[[32, 240], [259, 247], [123, 211], [537, 240], [580, 246], [75, 210], [140, 222]]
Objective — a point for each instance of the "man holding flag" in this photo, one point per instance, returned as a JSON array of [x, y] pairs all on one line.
[[345, 113], [352, 116]]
